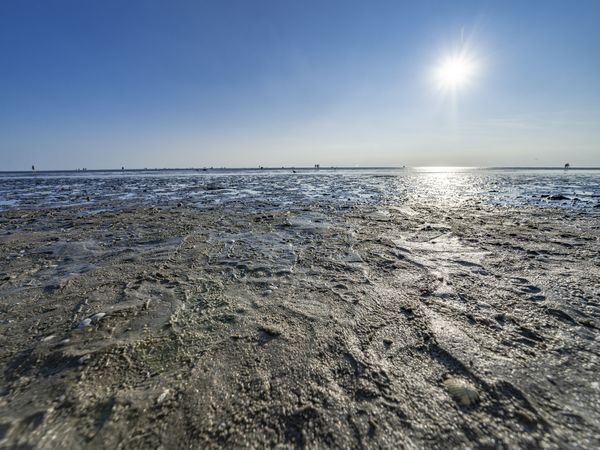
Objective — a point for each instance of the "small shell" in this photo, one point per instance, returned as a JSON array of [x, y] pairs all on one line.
[[84, 323], [161, 398], [461, 391]]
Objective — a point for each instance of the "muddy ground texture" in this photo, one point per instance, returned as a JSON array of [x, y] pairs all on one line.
[[354, 327]]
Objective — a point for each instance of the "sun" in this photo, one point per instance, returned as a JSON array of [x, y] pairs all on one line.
[[455, 72]]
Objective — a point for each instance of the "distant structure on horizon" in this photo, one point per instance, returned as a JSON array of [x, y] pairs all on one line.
[[567, 166]]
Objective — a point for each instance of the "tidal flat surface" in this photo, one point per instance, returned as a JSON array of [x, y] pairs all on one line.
[[357, 309]]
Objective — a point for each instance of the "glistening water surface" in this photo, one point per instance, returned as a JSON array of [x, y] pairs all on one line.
[[283, 188]]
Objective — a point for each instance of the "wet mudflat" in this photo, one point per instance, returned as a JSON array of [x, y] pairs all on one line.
[[348, 326]]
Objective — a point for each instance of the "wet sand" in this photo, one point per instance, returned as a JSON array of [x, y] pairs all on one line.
[[347, 327]]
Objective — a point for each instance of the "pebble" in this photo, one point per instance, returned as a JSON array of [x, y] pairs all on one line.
[[270, 330], [557, 197], [98, 316]]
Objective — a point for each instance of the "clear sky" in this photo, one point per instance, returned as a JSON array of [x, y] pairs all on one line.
[[103, 83]]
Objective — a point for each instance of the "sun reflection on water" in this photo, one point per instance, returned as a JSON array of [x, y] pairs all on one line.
[[447, 185]]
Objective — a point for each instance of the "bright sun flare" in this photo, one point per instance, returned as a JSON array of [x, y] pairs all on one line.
[[455, 72]]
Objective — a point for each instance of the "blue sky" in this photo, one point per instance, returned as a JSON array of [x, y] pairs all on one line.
[[101, 84]]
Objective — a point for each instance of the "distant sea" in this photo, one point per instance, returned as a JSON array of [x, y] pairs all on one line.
[[292, 187]]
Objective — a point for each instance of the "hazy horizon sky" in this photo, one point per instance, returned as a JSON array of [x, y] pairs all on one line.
[[105, 84]]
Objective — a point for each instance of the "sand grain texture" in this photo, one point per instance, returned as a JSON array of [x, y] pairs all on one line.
[[316, 327]]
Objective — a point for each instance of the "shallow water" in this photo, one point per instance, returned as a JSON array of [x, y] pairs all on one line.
[[283, 188]]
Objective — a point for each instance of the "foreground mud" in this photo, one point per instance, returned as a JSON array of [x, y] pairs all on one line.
[[349, 327]]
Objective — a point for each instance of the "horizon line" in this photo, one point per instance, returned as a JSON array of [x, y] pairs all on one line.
[[303, 168]]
